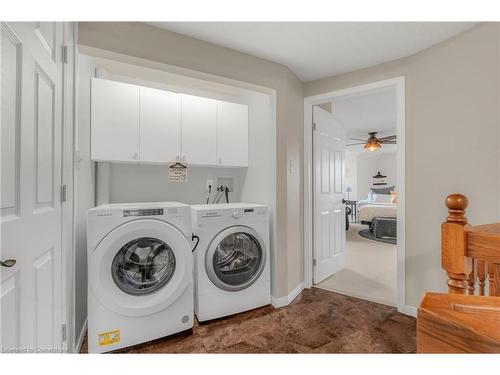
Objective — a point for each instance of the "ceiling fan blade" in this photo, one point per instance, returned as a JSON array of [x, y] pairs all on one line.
[[354, 144], [389, 137], [357, 139], [387, 142]]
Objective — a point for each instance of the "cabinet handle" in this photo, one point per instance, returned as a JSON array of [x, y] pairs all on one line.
[[8, 263]]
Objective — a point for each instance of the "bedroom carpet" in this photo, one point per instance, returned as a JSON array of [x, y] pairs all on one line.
[[317, 321], [370, 272]]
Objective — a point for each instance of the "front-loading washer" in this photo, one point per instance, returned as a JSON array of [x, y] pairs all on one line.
[[232, 259], [140, 273]]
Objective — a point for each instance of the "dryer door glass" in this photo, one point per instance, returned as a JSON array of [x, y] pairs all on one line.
[[238, 260], [143, 266]]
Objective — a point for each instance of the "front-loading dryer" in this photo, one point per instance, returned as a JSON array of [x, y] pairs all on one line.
[[232, 260], [140, 273]]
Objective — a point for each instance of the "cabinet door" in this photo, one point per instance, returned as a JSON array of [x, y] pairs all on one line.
[[115, 121], [160, 125], [199, 130], [232, 134]]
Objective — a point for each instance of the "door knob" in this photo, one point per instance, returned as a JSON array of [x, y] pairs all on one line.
[[8, 263]]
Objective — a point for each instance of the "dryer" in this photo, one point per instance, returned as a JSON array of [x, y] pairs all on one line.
[[140, 267], [232, 259]]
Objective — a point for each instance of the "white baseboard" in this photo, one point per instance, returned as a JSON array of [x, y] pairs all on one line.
[[286, 300], [81, 338], [411, 310]]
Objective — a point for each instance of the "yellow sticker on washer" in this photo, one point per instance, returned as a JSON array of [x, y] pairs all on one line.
[[109, 338]]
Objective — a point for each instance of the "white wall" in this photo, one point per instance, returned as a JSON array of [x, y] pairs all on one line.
[[351, 174], [369, 164]]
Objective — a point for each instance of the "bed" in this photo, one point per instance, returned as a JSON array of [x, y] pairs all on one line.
[[368, 210]]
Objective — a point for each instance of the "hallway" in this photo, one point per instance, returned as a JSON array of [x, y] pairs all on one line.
[[370, 273]]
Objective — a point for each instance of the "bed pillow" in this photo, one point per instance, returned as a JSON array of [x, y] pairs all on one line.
[[382, 198], [385, 191]]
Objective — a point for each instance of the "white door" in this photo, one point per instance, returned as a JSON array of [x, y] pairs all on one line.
[[199, 116], [232, 134], [329, 211], [115, 121], [31, 177], [160, 124]]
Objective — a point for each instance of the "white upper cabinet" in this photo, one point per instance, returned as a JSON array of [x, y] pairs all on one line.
[[115, 121], [160, 125], [232, 134], [138, 124], [199, 127]]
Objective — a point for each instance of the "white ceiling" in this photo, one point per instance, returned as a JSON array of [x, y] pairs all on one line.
[[367, 112], [370, 111], [314, 50]]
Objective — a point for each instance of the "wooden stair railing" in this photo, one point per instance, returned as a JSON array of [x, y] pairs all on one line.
[[469, 254], [467, 320]]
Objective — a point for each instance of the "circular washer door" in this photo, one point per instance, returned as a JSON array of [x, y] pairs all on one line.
[[140, 267], [235, 258]]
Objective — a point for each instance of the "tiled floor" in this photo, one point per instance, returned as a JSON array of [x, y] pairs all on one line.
[[317, 321]]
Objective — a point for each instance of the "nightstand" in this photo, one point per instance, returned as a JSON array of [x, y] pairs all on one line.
[[353, 205]]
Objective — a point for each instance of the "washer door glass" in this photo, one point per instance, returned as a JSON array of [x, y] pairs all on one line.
[[238, 260], [143, 266]]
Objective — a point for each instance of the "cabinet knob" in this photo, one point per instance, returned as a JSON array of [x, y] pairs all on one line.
[[136, 156], [220, 160]]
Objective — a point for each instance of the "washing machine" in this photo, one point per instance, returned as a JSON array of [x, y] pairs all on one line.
[[140, 273], [232, 260]]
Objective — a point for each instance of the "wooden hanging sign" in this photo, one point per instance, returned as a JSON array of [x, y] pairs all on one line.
[[177, 172]]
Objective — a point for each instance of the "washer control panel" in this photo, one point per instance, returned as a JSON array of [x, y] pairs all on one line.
[[143, 212]]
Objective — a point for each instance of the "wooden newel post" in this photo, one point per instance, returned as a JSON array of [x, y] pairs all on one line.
[[453, 245]]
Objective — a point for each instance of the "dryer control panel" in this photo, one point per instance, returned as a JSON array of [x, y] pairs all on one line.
[[143, 212]]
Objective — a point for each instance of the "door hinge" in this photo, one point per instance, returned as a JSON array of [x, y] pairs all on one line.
[[63, 193], [64, 54], [63, 332], [314, 126], [314, 262]]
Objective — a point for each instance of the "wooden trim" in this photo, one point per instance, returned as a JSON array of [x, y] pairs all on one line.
[[451, 323]]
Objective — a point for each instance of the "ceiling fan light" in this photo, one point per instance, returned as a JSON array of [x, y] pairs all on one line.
[[372, 146]]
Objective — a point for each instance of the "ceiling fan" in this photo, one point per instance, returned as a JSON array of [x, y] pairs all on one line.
[[373, 143]]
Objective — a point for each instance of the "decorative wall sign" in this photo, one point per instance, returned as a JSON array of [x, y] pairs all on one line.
[[379, 179], [177, 172]]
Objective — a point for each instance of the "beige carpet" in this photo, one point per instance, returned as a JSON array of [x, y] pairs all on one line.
[[370, 272]]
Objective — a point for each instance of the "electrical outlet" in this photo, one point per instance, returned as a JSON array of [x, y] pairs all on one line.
[[226, 181], [210, 183]]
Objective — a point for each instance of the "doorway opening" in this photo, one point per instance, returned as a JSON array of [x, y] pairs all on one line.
[[354, 192]]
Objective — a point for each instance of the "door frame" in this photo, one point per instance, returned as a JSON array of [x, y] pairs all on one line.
[[69, 89], [398, 83]]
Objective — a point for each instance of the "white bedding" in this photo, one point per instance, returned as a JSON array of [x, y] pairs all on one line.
[[367, 211]]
